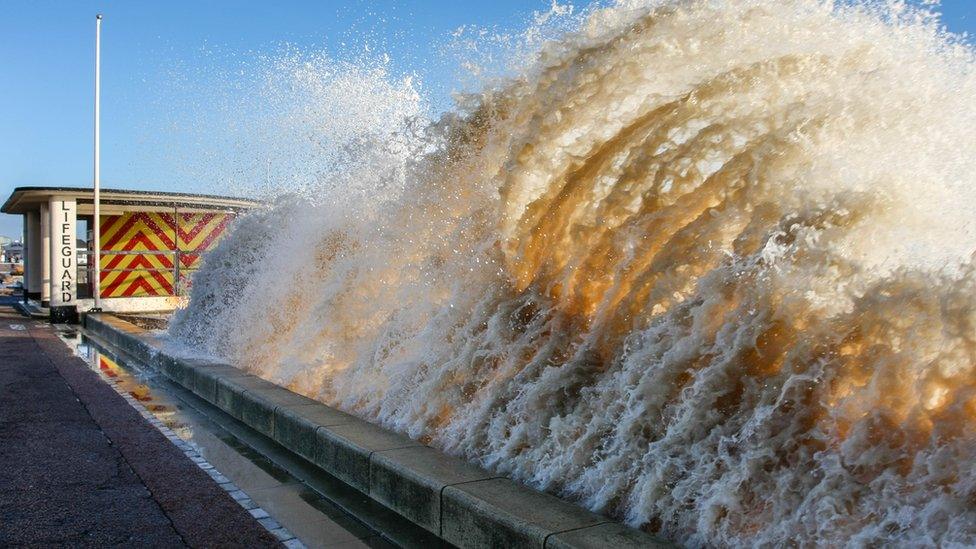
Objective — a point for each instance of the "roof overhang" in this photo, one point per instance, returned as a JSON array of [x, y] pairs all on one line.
[[26, 199]]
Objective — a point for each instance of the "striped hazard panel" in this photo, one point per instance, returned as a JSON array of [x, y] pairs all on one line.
[[138, 250]]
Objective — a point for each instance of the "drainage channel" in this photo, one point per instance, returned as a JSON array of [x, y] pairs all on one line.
[[297, 502]]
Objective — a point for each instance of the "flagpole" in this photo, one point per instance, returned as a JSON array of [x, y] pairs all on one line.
[[96, 231]]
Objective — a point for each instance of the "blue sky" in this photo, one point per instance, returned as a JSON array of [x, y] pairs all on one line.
[[46, 61]]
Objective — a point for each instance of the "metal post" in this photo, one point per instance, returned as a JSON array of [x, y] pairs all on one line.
[[176, 251], [96, 233]]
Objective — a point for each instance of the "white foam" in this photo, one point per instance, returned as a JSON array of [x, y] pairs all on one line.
[[705, 266]]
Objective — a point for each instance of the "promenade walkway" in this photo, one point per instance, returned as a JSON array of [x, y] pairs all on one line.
[[80, 467]]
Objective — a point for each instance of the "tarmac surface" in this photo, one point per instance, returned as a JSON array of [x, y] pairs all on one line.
[[80, 467]]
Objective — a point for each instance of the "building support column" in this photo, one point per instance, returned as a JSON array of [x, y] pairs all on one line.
[[64, 261], [44, 251], [25, 260], [33, 276]]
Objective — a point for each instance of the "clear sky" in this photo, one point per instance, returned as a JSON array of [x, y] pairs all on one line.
[[46, 58]]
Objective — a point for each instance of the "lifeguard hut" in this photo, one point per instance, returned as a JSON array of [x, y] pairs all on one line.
[[151, 242]]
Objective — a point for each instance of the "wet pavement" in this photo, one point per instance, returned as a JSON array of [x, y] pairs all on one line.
[[282, 491], [82, 467], [296, 502]]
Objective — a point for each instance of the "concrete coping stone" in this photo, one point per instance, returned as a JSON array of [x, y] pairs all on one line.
[[249, 399], [501, 513], [461, 503], [426, 465], [202, 377], [275, 395], [318, 414], [248, 382], [209, 365], [369, 437], [295, 425], [345, 449], [411, 481], [608, 534]]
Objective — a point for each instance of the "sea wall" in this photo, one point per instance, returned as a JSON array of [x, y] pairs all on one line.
[[463, 504]]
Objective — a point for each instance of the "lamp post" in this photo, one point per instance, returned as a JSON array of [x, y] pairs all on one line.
[[96, 284]]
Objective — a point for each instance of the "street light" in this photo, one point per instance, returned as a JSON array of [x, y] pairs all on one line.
[[96, 284]]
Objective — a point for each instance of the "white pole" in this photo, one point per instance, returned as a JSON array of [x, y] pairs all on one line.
[[96, 231]]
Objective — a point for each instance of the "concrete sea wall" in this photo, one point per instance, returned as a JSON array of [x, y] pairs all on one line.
[[463, 504]]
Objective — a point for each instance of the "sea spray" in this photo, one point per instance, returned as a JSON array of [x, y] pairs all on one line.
[[705, 266]]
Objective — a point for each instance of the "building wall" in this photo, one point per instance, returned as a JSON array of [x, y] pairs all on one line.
[[155, 237]]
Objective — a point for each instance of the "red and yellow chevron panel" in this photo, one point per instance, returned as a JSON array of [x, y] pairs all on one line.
[[156, 236]]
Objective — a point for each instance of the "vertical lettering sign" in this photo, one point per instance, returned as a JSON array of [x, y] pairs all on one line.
[[64, 269]]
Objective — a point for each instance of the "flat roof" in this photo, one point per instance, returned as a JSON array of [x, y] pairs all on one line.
[[24, 199]]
